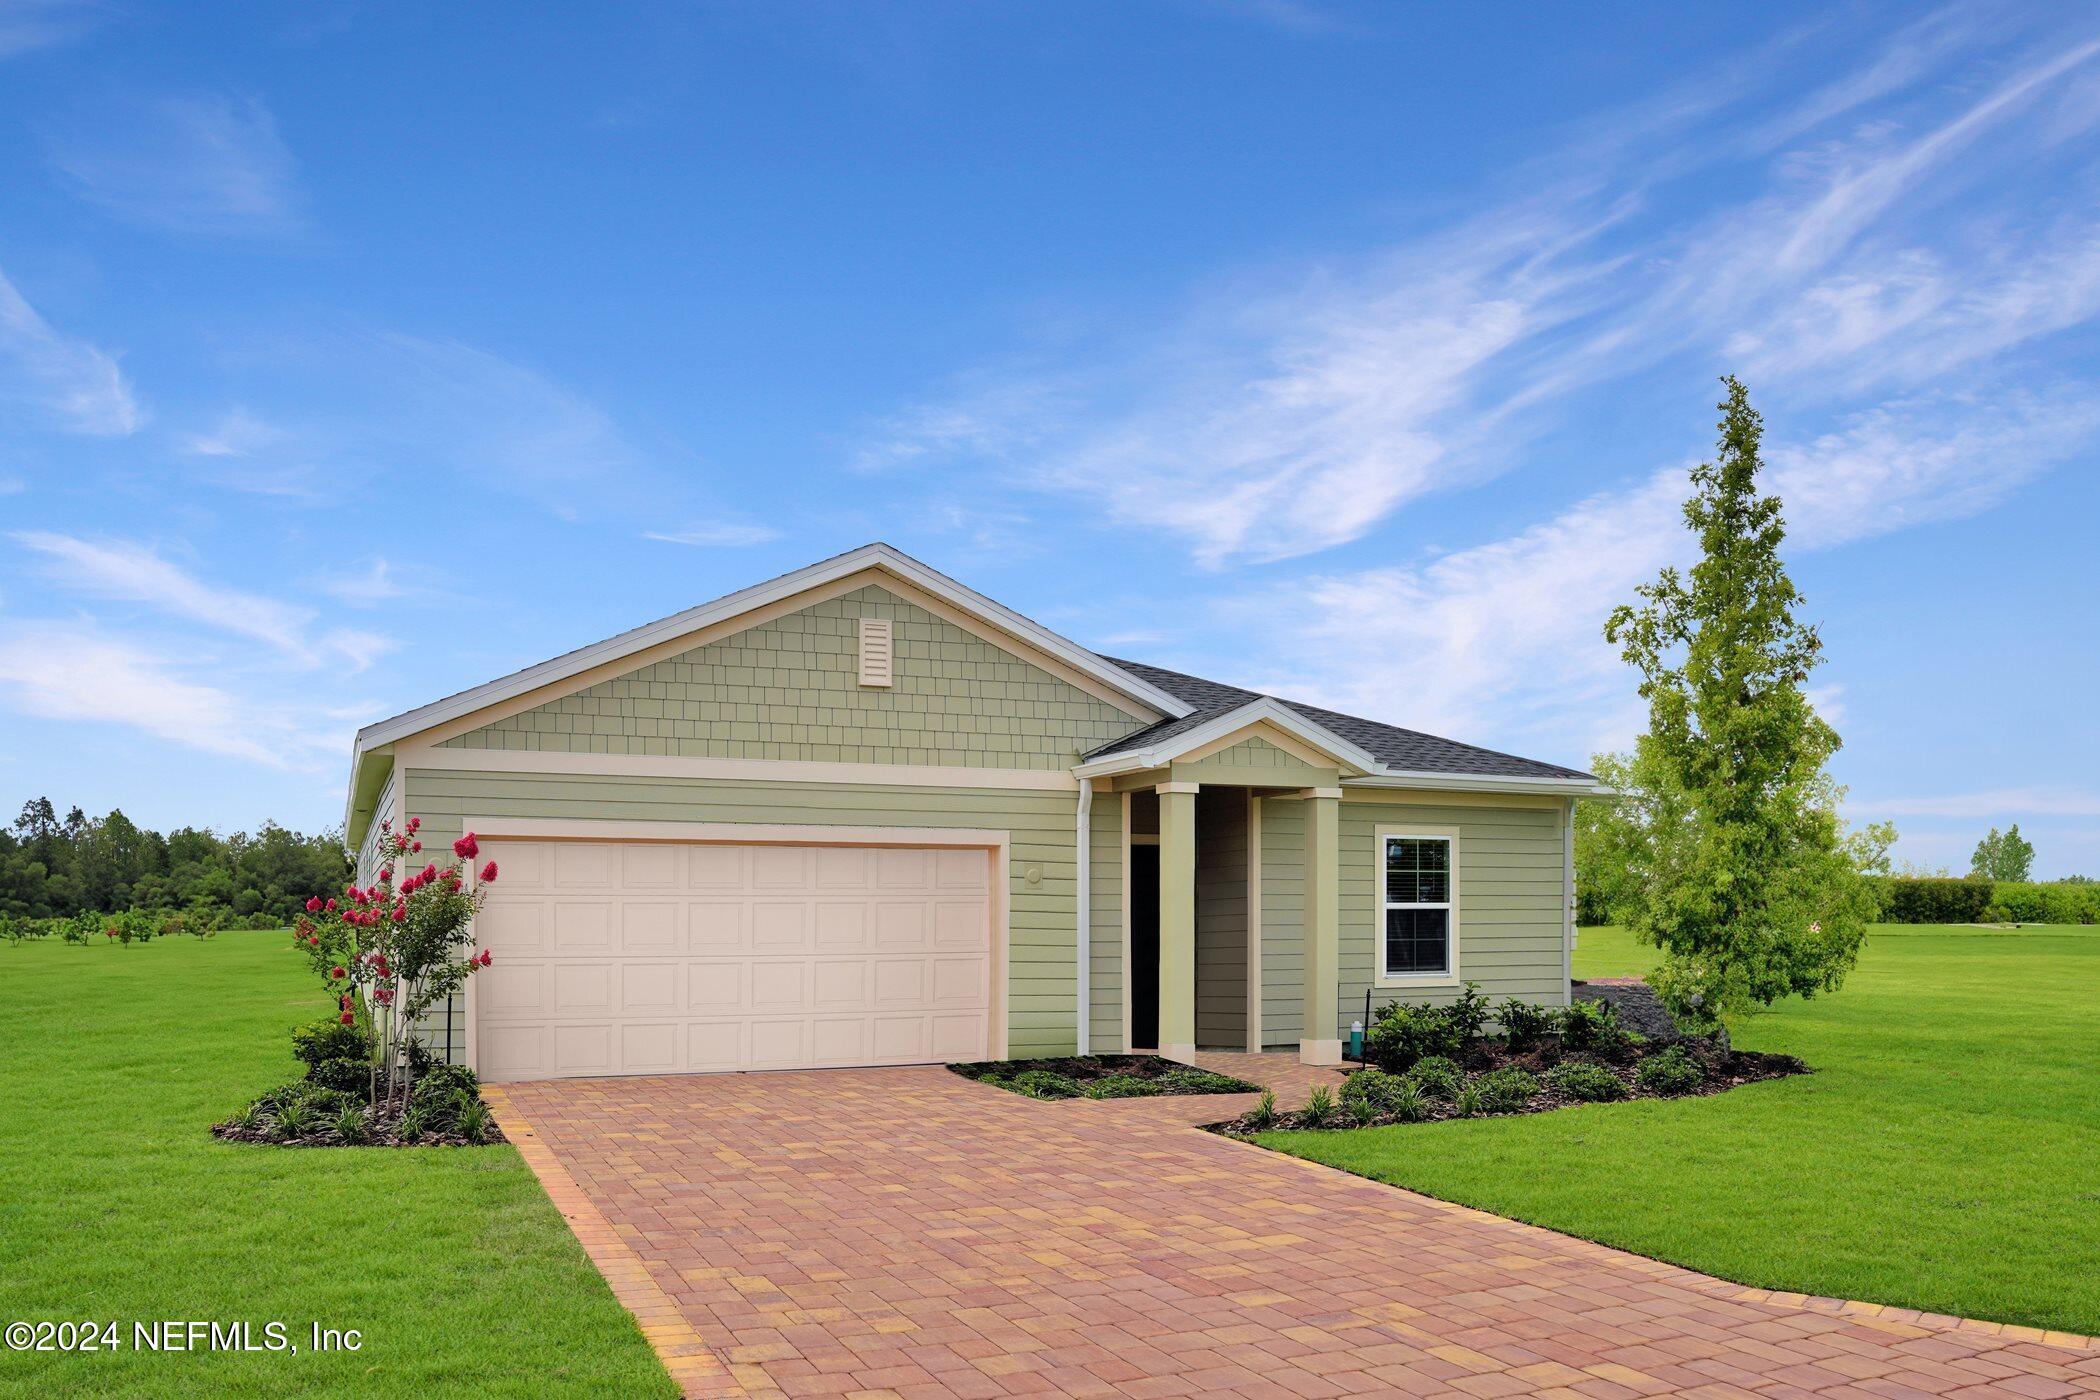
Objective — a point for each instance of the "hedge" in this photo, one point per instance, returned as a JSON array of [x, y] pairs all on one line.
[[1946, 901]]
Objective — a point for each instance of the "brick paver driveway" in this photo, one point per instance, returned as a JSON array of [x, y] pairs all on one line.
[[908, 1232]]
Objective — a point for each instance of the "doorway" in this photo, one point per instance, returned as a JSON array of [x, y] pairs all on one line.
[[1143, 982]]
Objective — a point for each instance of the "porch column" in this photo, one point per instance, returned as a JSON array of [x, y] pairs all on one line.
[[1321, 1034], [1177, 921]]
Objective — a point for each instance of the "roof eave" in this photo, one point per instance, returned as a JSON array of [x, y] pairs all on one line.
[[1477, 782], [1347, 755]]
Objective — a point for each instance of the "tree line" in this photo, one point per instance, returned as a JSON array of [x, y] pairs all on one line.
[[57, 867]]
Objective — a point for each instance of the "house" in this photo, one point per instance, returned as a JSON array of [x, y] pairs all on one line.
[[864, 815]]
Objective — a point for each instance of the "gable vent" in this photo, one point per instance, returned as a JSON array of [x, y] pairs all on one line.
[[876, 661]]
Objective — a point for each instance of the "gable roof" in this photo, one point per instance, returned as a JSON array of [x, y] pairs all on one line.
[[1396, 751]]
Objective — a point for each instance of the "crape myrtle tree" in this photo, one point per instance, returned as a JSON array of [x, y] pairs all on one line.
[[396, 948], [1747, 883]]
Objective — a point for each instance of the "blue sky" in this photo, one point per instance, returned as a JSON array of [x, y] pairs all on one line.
[[354, 354]]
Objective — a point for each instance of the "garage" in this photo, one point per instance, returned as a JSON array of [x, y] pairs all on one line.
[[673, 957]]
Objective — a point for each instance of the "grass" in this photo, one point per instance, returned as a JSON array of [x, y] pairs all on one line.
[[1944, 1156], [116, 1205]]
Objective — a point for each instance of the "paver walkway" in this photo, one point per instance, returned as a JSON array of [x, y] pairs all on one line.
[[907, 1232]]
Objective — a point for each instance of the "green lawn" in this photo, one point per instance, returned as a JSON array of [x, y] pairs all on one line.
[[116, 1205], [1944, 1156]]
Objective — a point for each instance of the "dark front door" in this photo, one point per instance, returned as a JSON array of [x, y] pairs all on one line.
[[1144, 947]]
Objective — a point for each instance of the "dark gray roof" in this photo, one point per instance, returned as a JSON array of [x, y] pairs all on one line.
[[1406, 749]]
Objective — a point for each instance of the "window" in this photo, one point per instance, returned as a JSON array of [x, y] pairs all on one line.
[[1417, 906]]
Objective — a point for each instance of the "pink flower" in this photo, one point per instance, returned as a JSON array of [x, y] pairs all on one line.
[[386, 874], [384, 996], [487, 957], [343, 1001], [313, 905], [337, 973], [414, 823], [415, 845], [488, 873], [329, 906], [466, 847], [348, 1018], [400, 914]]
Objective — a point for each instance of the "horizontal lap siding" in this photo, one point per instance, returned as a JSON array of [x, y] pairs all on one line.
[[1041, 1004], [1282, 921], [385, 809], [1106, 997], [1510, 896]]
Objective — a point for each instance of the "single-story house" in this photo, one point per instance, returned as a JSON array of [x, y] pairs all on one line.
[[863, 815]]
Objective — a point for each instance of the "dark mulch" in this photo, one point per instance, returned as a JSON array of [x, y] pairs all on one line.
[[1639, 1008], [381, 1129], [1159, 1075], [1724, 1068]]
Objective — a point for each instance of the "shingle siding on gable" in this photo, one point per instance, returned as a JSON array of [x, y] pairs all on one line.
[[789, 689]]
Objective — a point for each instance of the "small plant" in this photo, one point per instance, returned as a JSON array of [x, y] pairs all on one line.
[[1437, 1077], [1046, 1084], [414, 1125], [344, 1076], [1504, 1090], [1525, 1024], [1674, 1071], [294, 1119], [1402, 1034], [1469, 1014], [350, 1126], [1469, 1102], [1408, 1103], [331, 1039], [248, 1120], [1370, 1086], [1362, 1110], [1123, 1086], [1263, 1114], [472, 1117], [1590, 1083], [1594, 1026], [1319, 1106]]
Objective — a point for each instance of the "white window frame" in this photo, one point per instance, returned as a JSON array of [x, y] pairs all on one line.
[[1449, 977]]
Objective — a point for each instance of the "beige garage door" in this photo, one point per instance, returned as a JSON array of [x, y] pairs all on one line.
[[660, 958]]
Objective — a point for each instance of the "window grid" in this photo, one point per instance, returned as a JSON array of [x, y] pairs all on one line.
[[1417, 906]]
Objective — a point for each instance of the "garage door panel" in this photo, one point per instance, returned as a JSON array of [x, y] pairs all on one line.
[[659, 958]]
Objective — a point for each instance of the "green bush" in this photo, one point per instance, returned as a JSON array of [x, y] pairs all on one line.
[[1594, 1026], [1933, 900], [1123, 1086], [1525, 1024], [1503, 1090], [1469, 1015], [1401, 1034], [1372, 1086], [1590, 1083], [1408, 1103], [1264, 1112], [347, 1076], [1674, 1071], [1201, 1081], [330, 1040], [2034, 903], [1436, 1076], [1045, 1084], [1319, 1106]]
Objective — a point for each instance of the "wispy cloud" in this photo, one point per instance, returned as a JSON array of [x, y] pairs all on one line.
[[1292, 414], [68, 382], [64, 671], [724, 535], [126, 572], [211, 164], [1994, 803], [367, 587], [1507, 636], [26, 25]]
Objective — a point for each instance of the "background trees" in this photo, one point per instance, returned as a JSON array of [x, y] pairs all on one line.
[[2002, 856], [53, 867]]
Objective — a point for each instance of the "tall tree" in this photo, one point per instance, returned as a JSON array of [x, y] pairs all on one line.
[[1749, 889], [2003, 856]]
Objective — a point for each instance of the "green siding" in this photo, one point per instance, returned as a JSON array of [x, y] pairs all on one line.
[[1221, 918], [1041, 1005], [386, 809], [790, 689], [1282, 922], [1106, 994], [1255, 762]]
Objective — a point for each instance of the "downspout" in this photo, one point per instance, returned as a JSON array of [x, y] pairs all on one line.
[[1084, 924]]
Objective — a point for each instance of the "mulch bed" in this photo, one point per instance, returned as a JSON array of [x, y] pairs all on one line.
[[1636, 1003], [381, 1129], [1725, 1069], [1083, 1070]]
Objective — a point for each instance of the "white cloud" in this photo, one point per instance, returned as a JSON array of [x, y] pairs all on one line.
[[26, 25], [1292, 415], [211, 164], [367, 587], [62, 671], [70, 381], [238, 433], [1506, 637], [724, 535], [132, 573], [2017, 803]]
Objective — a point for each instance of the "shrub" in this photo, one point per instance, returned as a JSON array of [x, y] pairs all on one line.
[[1593, 1026], [346, 1076], [1201, 1081], [1408, 1103], [1674, 1071], [1402, 1034], [473, 1118], [1045, 1084], [350, 1126], [1363, 1110], [1263, 1113], [1590, 1083], [1372, 1086], [1437, 1077], [1936, 900], [1504, 1090], [1468, 1103], [294, 1119], [1319, 1106], [330, 1039], [1469, 1015], [1124, 1086], [1525, 1024], [441, 1082], [2033, 903]]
